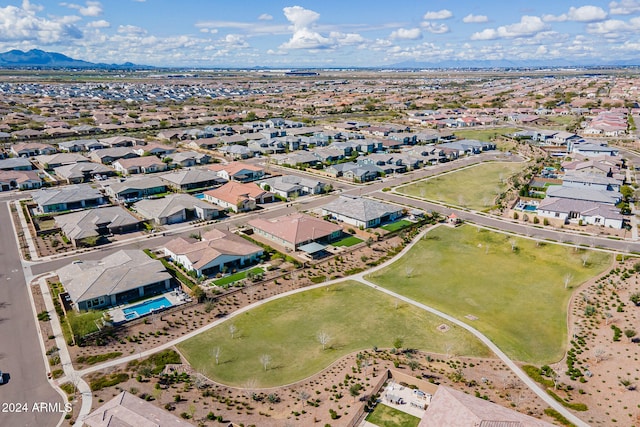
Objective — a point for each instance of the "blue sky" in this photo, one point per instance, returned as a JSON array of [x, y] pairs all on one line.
[[332, 33]]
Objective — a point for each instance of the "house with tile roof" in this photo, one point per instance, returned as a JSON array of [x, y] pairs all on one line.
[[126, 409], [19, 180], [136, 165], [132, 190], [115, 279], [451, 407], [72, 197], [238, 197], [360, 211], [96, 224], [238, 171], [216, 252], [176, 208], [296, 230]]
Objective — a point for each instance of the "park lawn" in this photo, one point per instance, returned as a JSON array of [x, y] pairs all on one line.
[[237, 276], [386, 416], [519, 297], [475, 187], [484, 134], [347, 241], [398, 225], [355, 316]]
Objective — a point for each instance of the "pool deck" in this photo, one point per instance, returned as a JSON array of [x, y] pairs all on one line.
[[176, 297]]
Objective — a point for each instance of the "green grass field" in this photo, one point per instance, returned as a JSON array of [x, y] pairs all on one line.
[[483, 134], [347, 241], [237, 276], [519, 297], [386, 416], [398, 225], [475, 187], [354, 316]]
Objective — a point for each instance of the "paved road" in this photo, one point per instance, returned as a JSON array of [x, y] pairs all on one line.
[[20, 352]]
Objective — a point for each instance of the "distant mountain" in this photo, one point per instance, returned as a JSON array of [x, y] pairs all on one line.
[[36, 58]]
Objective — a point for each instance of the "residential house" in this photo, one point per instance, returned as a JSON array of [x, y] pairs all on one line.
[[78, 173], [126, 409], [135, 189], [237, 152], [238, 171], [175, 208], [362, 172], [584, 193], [95, 224], [590, 148], [136, 165], [573, 179], [329, 154], [52, 161], [15, 163], [110, 155], [562, 211], [27, 134], [192, 179], [300, 158], [154, 149], [296, 230], [238, 197], [32, 149], [288, 186], [449, 407], [188, 159], [121, 141], [113, 280], [217, 252], [19, 180], [80, 196], [361, 212]]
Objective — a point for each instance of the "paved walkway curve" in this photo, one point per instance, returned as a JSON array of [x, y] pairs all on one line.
[[360, 277]]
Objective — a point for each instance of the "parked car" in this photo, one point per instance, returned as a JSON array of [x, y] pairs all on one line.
[[1, 378]]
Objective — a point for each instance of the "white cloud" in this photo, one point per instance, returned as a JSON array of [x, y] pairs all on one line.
[[99, 24], [131, 30], [579, 14], [304, 36], [265, 17], [91, 8], [624, 7], [528, 25], [235, 41], [345, 39], [475, 19], [587, 14], [614, 28], [23, 24], [406, 34], [435, 27], [441, 14]]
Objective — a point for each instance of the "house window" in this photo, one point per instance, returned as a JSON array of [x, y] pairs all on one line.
[[557, 214]]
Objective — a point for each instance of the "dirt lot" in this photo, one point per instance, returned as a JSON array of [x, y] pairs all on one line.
[[613, 362], [309, 402]]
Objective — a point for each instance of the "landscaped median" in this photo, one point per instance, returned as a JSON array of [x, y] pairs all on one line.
[[292, 332], [512, 289]]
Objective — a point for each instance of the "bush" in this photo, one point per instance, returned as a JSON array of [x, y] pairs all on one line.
[[107, 381]]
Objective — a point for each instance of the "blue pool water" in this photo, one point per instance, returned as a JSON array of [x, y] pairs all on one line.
[[199, 196], [146, 307], [530, 208]]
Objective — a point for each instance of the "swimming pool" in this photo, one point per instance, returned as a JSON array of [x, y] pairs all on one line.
[[199, 196], [530, 208], [146, 307]]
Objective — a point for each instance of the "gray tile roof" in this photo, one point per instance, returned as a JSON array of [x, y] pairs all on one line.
[[119, 272], [360, 208], [69, 194], [82, 224], [170, 205]]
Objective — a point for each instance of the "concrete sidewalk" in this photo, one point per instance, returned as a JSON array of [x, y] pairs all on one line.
[[71, 375]]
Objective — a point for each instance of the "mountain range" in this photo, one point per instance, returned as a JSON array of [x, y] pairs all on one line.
[[36, 58]]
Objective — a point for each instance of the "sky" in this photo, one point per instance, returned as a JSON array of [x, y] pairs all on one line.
[[328, 33]]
